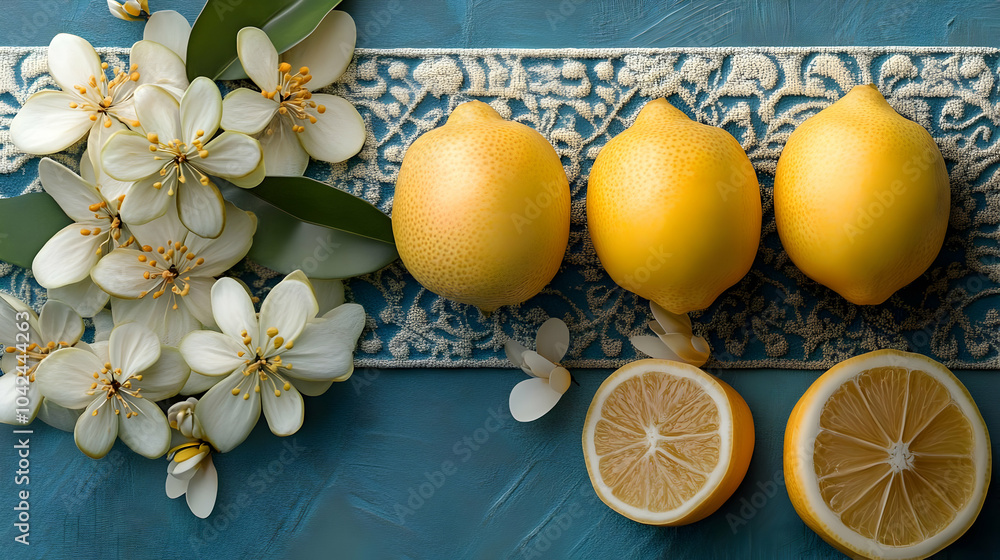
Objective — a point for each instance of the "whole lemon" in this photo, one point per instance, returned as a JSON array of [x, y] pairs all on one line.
[[481, 209], [673, 208], [861, 198]]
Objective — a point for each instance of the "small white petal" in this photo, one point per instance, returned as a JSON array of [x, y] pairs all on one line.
[[233, 309], [514, 351], [311, 388], [247, 111], [325, 350], [553, 339], [85, 297], [201, 208], [161, 231], [67, 257], [326, 51], [229, 248], [175, 487], [337, 134], [283, 153], [164, 378], [560, 379], [158, 111], [66, 376], [170, 29], [73, 61], [231, 156], [285, 411], [654, 348], [199, 300], [96, 433], [258, 57], [212, 353], [147, 433], [689, 349], [132, 348], [126, 156], [10, 307], [198, 383], [144, 203], [539, 365], [287, 308], [329, 294], [670, 322], [119, 12], [169, 324], [120, 274], [203, 489], [531, 399], [59, 323], [158, 64], [227, 419], [73, 195], [46, 124], [201, 109]]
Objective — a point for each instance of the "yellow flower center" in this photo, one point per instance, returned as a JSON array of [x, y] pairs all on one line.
[[293, 97], [113, 232], [99, 95], [170, 264], [115, 390], [177, 157], [263, 367], [33, 355]]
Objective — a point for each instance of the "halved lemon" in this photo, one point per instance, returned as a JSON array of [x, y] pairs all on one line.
[[666, 443], [887, 456]]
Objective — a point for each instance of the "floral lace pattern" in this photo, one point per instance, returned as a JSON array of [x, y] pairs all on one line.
[[579, 99]]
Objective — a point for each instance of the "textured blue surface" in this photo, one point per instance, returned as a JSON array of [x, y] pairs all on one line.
[[523, 492]]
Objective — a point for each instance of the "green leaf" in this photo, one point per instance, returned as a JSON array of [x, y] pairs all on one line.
[[212, 45], [28, 222], [303, 224]]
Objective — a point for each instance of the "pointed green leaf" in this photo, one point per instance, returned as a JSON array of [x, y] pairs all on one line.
[[303, 224], [28, 222], [212, 46]]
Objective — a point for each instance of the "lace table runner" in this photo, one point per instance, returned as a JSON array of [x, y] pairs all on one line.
[[579, 99]]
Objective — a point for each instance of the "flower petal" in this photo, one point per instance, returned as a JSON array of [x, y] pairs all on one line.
[[283, 153], [325, 350], [258, 57], [310, 388], [59, 323], [144, 203], [169, 324], [326, 51], [199, 300], [231, 156], [201, 208], [539, 365], [531, 399], [67, 257], [329, 294], [132, 348], [66, 375], [283, 408], [247, 111], [147, 433], [227, 419], [654, 348], [73, 195], [85, 297], [229, 248], [97, 428], [201, 109], [158, 63], [10, 324], [175, 487], [46, 124], [198, 383], [337, 134], [233, 309], [212, 353], [10, 391], [202, 489], [160, 232], [91, 159], [287, 308], [60, 418], [159, 112], [553, 339], [73, 61], [120, 273], [164, 378], [169, 29], [126, 156]]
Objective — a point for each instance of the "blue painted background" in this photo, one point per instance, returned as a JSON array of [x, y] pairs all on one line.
[[349, 484]]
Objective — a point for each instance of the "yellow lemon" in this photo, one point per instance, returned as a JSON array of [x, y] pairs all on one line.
[[666, 443], [861, 198], [481, 209], [887, 456], [673, 208]]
